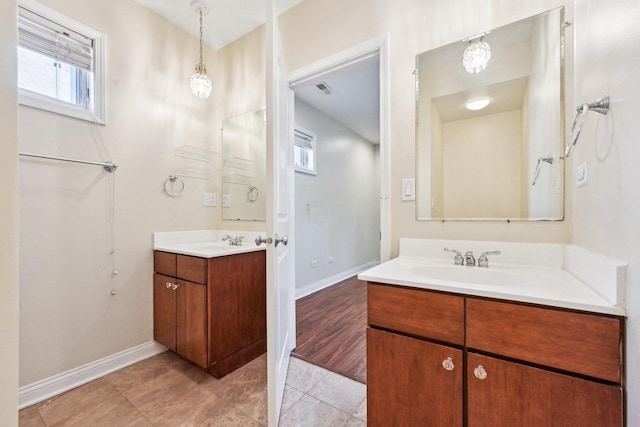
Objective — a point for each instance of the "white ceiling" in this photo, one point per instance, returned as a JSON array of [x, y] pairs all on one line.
[[355, 101], [226, 21], [355, 98]]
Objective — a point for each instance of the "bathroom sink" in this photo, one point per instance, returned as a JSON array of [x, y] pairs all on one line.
[[212, 246], [473, 275]]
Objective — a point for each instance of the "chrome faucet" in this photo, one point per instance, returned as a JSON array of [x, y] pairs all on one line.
[[458, 259], [483, 261], [233, 241], [469, 259]]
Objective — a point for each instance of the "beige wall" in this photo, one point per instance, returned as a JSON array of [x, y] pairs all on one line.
[[316, 29], [73, 216], [8, 218], [488, 185], [607, 209]]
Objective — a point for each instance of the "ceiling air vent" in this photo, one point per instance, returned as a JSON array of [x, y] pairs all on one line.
[[324, 87]]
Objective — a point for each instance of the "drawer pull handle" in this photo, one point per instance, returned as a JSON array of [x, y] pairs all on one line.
[[448, 364], [175, 286], [168, 285], [480, 372]]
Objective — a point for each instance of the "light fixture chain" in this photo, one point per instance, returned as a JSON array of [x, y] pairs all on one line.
[[201, 70]]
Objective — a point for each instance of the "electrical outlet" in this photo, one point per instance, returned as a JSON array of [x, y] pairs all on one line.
[[226, 200], [314, 263], [330, 260]]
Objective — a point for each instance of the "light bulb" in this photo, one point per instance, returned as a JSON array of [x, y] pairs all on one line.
[[477, 104]]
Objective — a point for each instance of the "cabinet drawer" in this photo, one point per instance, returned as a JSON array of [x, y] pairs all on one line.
[[191, 268], [583, 343], [417, 312], [164, 263]]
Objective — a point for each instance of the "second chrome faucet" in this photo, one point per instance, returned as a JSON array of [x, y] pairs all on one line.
[[469, 259]]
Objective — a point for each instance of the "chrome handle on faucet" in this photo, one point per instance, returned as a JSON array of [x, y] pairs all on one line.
[[458, 259], [483, 261]]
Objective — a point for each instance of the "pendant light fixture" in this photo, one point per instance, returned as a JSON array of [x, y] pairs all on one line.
[[476, 56], [200, 82]]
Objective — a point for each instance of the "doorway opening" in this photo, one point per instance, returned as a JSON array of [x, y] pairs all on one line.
[[340, 204]]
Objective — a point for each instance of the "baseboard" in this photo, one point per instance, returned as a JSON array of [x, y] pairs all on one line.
[[332, 280], [52, 386]]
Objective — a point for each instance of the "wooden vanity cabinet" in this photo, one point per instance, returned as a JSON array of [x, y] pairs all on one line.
[[522, 365], [211, 311], [407, 384]]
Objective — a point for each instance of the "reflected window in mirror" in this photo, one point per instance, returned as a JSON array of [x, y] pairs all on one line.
[[479, 134]]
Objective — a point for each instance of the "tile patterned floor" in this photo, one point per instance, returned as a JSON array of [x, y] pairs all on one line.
[[167, 391]]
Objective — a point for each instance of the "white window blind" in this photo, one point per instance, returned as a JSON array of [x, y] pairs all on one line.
[[61, 63], [304, 151], [48, 38]]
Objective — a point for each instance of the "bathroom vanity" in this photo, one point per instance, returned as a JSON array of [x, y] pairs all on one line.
[[456, 350], [209, 301]]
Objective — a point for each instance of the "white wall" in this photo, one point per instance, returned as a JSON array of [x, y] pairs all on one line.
[[607, 209], [73, 216], [492, 185], [8, 218], [337, 210], [317, 29]]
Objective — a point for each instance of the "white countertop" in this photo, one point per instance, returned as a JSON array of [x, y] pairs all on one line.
[[204, 243], [547, 284]]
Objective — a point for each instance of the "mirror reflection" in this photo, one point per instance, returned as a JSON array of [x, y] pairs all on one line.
[[488, 108], [244, 162]]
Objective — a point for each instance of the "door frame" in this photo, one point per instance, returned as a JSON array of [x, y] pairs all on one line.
[[377, 46]]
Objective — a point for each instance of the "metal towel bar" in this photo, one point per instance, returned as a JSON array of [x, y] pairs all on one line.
[[109, 166]]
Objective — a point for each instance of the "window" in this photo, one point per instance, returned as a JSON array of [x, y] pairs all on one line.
[[304, 151], [60, 63]]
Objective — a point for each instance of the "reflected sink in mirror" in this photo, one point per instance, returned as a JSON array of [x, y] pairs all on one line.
[[492, 276]]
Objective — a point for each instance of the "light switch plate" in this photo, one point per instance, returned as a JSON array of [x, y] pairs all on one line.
[[226, 200], [408, 189], [582, 176], [210, 199]]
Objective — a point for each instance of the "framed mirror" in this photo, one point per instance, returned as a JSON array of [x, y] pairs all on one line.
[[244, 163], [489, 121]]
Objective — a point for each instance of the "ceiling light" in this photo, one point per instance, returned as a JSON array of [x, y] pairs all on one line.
[[476, 56], [477, 104], [200, 83]]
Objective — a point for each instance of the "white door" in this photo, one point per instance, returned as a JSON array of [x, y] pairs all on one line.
[[281, 324]]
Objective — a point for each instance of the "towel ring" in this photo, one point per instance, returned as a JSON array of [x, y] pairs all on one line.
[[253, 193], [172, 179], [600, 106]]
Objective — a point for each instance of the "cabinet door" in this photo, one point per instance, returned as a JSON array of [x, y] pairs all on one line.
[[164, 311], [191, 322], [514, 395], [408, 385]]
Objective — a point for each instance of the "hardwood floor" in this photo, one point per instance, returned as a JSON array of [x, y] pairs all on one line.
[[331, 328]]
